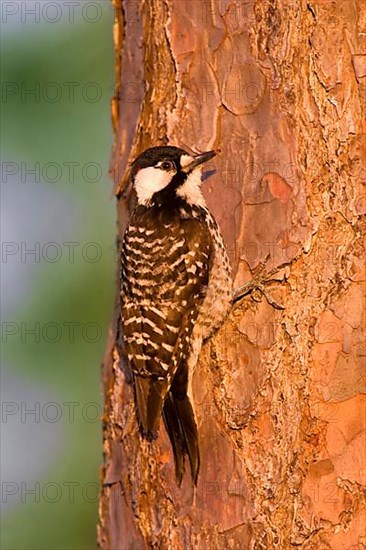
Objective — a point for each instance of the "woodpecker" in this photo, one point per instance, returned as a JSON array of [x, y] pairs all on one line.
[[176, 289]]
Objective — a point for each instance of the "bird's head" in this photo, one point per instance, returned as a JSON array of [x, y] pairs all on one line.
[[162, 175]]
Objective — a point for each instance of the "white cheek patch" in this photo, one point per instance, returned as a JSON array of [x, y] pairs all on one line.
[[191, 189], [150, 180]]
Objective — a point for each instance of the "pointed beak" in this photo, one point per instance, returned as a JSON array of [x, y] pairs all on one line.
[[199, 159]]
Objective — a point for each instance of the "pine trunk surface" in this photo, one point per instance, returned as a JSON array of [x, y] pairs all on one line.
[[279, 394]]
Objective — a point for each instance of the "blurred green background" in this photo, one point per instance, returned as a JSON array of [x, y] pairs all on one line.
[[57, 81]]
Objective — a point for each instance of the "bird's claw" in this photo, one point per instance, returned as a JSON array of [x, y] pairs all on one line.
[[256, 287]]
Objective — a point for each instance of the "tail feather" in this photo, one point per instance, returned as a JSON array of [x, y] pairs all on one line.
[[149, 404], [176, 436], [152, 401], [182, 430]]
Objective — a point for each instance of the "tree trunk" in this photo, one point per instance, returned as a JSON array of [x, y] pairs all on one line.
[[278, 393]]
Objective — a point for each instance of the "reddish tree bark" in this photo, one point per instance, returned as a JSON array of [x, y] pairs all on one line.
[[279, 394]]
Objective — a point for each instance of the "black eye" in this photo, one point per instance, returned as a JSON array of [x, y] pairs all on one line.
[[167, 165]]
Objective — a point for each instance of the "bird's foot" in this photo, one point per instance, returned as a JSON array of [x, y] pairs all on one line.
[[256, 287]]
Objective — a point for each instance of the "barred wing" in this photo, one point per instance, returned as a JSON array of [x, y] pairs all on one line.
[[165, 270]]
